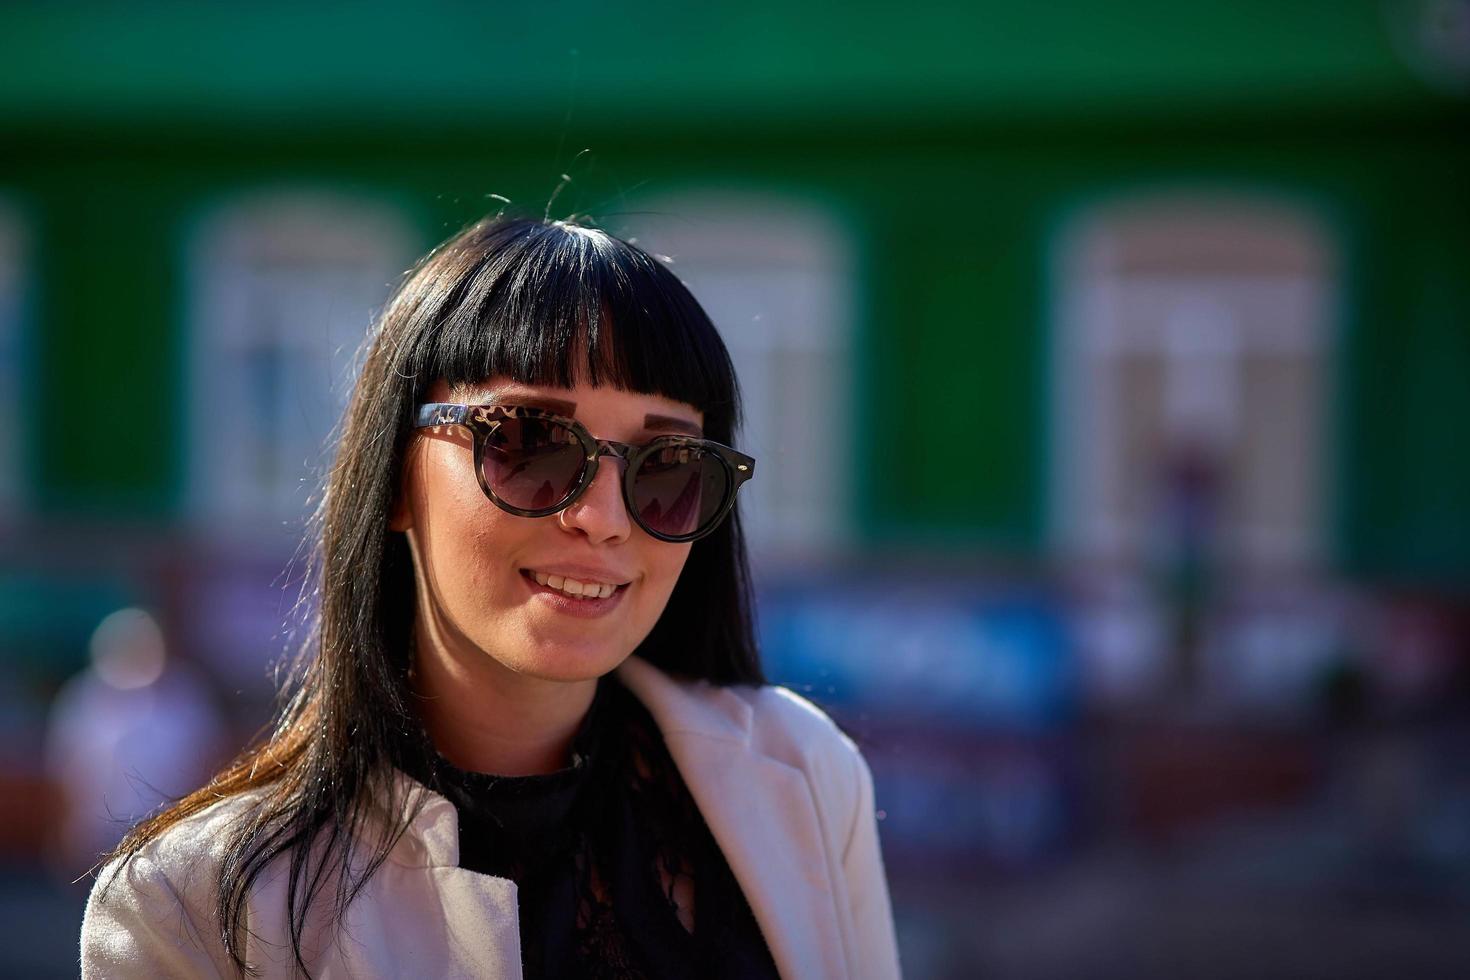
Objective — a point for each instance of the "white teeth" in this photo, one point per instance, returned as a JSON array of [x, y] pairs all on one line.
[[570, 586]]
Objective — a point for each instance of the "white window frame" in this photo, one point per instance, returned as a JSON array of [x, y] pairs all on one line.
[[1202, 326], [288, 281]]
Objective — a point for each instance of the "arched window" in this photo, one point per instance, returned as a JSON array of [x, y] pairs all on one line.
[[775, 276], [1191, 379], [14, 297], [283, 289]]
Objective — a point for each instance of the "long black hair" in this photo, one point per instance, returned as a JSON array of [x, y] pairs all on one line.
[[540, 302]]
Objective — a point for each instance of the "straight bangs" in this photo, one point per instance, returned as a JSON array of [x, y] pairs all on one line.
[[555, 304]]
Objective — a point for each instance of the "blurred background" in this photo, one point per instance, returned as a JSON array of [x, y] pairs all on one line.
[[1108, 365]]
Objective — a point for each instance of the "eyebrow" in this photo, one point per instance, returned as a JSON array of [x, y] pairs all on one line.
[[652, 421], [669, 422]]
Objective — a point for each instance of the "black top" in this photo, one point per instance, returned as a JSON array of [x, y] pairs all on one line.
[[597, 851]]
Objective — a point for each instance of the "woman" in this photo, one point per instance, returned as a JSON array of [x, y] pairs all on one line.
[[529, 734]]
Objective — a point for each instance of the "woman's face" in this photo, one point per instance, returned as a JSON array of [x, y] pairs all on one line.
[[477, 566]]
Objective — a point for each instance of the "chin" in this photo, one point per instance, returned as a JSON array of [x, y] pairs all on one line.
[[567, 665]]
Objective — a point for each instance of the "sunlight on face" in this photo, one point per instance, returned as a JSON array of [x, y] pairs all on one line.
[[494, 586]]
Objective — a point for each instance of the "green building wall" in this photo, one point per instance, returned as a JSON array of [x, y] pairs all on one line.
[[951, 158]]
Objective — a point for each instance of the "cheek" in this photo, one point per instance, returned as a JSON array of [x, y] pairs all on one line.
[[491, 544], [467, 536], [665, 565], [477, 548]]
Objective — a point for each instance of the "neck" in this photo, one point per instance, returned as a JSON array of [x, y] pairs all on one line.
[[484, 717]]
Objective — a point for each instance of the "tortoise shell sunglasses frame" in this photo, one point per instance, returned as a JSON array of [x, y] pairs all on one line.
[[483, 420]]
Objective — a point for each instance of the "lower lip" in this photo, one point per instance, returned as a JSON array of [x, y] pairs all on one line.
[[563, 603]]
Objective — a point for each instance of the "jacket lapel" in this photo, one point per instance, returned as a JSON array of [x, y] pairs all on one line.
[[761, 813]]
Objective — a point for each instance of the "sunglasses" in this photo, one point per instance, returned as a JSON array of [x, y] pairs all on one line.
[[533, 463]]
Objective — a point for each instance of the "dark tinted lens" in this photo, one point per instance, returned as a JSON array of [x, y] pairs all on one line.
[[679, 489], [533, 464]]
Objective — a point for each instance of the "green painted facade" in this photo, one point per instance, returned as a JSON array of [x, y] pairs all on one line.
[[950, 142]]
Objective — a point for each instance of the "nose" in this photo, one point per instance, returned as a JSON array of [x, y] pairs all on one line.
[[600, 512]]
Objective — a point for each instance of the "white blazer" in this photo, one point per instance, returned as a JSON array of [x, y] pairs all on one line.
[[787, 796]]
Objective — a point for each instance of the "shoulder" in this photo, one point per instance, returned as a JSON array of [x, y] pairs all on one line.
[[783, 721], [155, 911], [766, 721], [789, 728], [184, 859], [768, 717], [199, 840]]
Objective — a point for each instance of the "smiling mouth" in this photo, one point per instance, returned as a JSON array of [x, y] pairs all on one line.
[[574, 588]]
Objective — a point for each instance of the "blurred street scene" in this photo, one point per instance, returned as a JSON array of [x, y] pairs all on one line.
[[1108, 366]]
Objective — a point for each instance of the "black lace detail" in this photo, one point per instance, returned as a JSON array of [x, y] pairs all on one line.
[[601, 951]]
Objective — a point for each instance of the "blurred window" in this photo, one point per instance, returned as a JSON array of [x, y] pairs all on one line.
[[776, 276], [283, 289], [1191, 381], [14, 285]]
